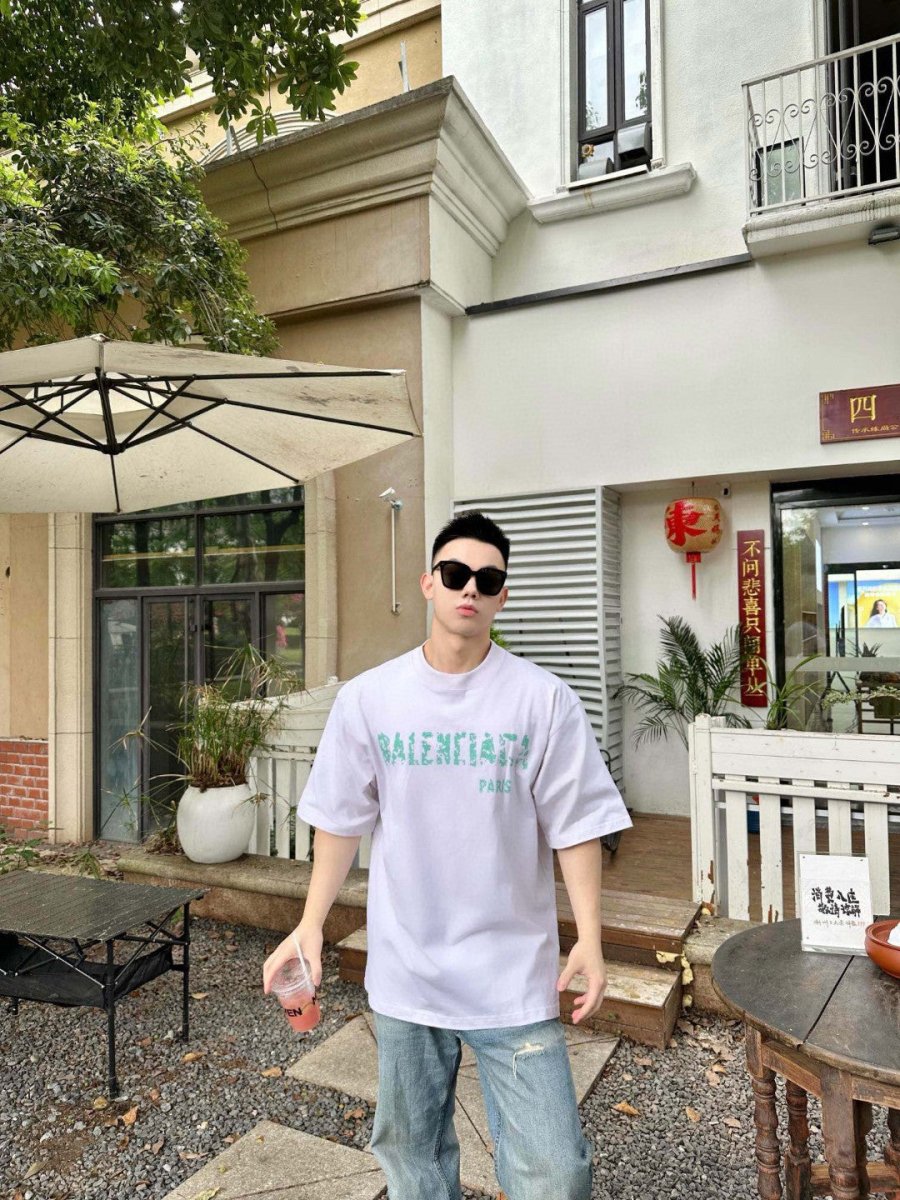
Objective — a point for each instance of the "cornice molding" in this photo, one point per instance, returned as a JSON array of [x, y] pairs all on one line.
[[428, 142], [611, 194]]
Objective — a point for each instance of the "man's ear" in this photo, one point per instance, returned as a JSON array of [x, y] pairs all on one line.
[[426, 583], [504, 596]]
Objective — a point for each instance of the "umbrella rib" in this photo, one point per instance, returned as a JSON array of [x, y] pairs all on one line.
[[348, 374], [129, 439], [212, 402], [112, 446], [306, 416], [82, 438], [184, 423], [268, 408], [33, 431], [115, 482]]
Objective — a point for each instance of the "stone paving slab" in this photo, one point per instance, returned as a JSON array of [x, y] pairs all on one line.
[[273, 1162], [348, 1062]]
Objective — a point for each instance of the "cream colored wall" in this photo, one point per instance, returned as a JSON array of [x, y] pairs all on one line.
[[23, 626], [656, 582], [386, 335]]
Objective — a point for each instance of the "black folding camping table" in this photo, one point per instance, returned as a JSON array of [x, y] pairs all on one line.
[[51, 927]]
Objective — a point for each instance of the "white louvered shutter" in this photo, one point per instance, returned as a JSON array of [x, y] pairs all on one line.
[[564, 612]]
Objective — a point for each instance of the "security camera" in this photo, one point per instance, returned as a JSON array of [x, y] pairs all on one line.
[[387, 494]]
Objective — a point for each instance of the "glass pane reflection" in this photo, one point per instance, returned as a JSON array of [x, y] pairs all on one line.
[[635, 58], [596, 81]]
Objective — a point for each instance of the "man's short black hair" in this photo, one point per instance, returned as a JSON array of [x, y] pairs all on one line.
[[475, 525]]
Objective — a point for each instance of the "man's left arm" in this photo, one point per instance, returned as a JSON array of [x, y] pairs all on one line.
[[581, 868]]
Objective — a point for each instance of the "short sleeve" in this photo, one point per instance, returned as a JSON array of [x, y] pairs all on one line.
[[574, 794], [341, 796]]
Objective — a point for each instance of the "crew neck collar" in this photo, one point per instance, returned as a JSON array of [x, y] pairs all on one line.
[[457, 681]]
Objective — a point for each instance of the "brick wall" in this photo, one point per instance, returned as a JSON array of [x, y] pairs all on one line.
[[23, 786]]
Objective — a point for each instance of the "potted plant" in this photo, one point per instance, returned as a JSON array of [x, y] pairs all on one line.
[[688, 681], [226, 723]]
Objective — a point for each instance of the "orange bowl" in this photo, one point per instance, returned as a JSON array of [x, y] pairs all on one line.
[[881, 952]]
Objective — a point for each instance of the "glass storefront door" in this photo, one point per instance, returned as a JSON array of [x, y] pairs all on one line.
[[837, 565], [177, 596]]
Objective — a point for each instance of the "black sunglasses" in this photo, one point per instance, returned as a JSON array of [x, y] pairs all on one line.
[[455, 575]]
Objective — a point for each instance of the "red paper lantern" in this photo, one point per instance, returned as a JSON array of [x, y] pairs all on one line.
[[693, 526]]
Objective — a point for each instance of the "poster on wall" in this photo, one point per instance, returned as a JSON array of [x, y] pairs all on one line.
[[878, 604], [752, 615]]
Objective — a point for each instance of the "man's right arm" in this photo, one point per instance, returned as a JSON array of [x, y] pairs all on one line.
[[332, 859]]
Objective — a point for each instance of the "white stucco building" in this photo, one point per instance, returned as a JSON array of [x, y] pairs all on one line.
[[669, 325]]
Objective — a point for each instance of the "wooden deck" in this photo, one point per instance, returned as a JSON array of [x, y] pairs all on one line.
[[655, 858]]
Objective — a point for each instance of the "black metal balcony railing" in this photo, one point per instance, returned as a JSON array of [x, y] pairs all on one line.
[[828, 128]]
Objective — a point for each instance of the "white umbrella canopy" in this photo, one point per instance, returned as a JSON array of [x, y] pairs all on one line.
[[94, 425]]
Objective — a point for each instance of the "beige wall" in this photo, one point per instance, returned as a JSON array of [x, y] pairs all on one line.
[[387, 335], [23, 625], [361, 254], [378, 74], [377, 78]]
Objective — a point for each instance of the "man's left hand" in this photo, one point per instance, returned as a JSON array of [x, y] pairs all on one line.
[[585, 958]]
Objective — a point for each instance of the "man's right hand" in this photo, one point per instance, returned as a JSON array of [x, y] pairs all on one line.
[[310, 939]]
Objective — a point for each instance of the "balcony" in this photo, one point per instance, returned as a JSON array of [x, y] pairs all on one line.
[[823, 147]]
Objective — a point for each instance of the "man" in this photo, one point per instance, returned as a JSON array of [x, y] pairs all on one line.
[[468, 766]]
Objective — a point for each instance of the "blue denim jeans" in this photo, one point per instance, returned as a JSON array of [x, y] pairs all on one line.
[[540, 1152]]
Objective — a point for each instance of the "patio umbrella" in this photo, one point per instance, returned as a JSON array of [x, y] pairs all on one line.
[[94, 425]]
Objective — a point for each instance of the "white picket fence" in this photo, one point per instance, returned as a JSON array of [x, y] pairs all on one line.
[[280, 776], [798, 779]]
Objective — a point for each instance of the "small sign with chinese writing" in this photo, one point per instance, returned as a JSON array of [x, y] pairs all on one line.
[[752, 615], [835, 902], [848, 416]]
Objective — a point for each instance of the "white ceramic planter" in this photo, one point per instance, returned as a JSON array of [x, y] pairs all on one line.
[[215, 826]]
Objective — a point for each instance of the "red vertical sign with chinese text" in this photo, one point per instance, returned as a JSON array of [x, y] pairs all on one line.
[[752, 615]]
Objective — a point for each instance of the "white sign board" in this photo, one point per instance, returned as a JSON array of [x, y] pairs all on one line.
[[835, 902]]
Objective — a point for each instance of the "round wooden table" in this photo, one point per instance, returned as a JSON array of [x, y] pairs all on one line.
[[830, 1025]]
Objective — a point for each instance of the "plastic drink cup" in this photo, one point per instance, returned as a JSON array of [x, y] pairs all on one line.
[[294, 988]]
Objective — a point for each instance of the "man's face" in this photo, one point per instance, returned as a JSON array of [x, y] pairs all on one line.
[[467, 613]]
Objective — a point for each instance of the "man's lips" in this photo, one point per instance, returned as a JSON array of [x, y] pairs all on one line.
[[466, 609]]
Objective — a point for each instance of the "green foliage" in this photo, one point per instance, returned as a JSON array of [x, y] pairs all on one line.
[[497, 636], [786, 698], [230, 720], [56, 56], [107, 231], [14, 854], [688, 681]]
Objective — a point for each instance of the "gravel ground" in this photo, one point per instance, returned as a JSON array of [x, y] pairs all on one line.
[[691, 1135]]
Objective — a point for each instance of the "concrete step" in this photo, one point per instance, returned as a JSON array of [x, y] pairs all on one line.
[[637, 928], [273, 1160], [641, 1003]]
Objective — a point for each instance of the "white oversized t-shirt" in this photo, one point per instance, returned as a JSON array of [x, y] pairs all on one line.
[[466, 782]]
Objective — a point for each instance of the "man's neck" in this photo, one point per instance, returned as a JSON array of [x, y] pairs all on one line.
[[455, 655]]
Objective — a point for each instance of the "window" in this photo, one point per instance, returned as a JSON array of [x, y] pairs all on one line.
[[177, 593], [613, 86]]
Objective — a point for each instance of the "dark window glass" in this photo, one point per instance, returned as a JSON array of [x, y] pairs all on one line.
[[119, 712], [634, 56], [261, 547], [596, 74], [227, 628], [614, 90], [148, 553], [284, 630]]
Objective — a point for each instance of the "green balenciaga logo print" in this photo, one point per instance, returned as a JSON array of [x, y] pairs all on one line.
[[459, 749]]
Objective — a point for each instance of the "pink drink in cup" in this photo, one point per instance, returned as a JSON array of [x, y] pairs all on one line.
[[293, 986]]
